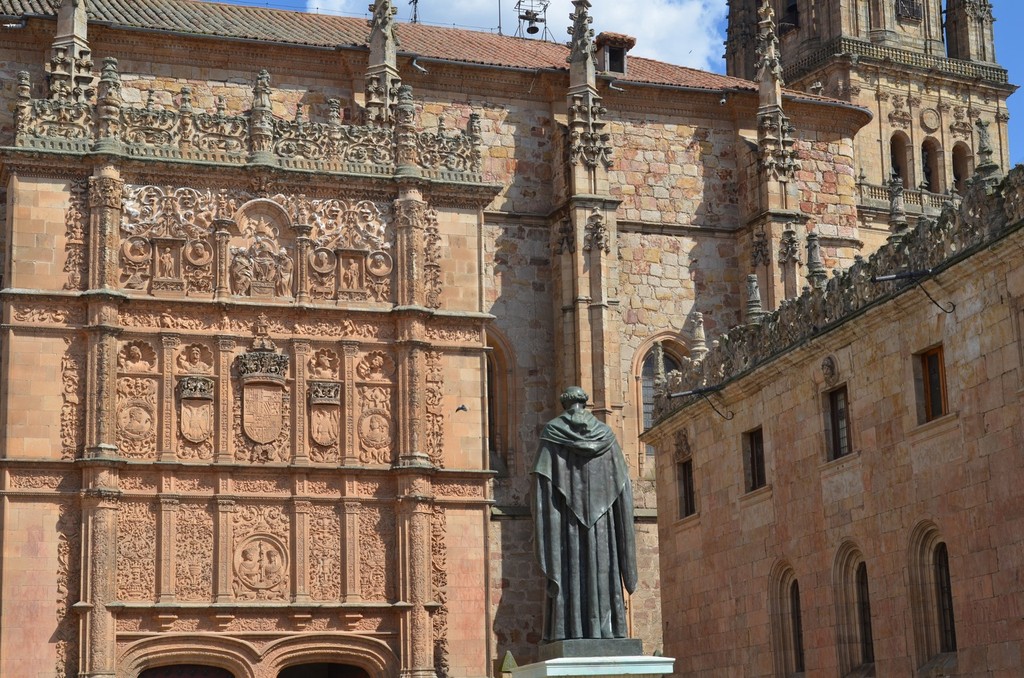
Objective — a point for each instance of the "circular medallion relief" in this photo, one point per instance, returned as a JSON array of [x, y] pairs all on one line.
[[930, 119], [135, 419], [380, 263]]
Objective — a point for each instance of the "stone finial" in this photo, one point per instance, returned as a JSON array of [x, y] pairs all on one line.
[[261, 91], [897, 209], [769, 64], [816, 273], [582, 57], [754, 310], [383, 39], [699, 346], [987, 169], [108, 110]]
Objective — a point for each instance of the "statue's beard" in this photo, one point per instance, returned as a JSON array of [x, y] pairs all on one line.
[[579, 420]]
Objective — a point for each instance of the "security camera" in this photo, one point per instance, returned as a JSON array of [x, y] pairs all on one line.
[[721, 102]]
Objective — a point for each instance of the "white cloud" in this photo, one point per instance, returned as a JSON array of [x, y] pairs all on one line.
[[685, 32]]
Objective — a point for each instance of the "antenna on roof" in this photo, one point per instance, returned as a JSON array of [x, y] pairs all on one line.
[[531, 13], [415, 10]]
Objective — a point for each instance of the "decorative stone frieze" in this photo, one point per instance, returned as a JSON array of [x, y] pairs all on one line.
[[182, 132]]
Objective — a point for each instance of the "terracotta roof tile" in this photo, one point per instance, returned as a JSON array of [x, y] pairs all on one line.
[[283, 26]]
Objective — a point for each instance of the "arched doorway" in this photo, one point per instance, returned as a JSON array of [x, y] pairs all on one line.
[[186, 671], [323, 671]]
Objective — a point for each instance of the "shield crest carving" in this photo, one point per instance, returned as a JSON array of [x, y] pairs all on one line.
[[326, 422], [196, 420], [261, 412]]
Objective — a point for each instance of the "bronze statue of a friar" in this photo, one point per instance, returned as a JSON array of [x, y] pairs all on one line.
[[582, 508]]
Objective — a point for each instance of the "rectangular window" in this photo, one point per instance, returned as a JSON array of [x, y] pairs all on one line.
[[684, 488], [753, 459], [838, 423], [933, 383]]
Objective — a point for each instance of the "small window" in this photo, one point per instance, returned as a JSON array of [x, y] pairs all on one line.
[[753, 459], [867, 644], [933, 383], [791, 17], [684, 488], [838, 422], [616, 59], [648, 376], [944, 597]]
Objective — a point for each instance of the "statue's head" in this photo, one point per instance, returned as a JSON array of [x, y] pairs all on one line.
[[573, 395]]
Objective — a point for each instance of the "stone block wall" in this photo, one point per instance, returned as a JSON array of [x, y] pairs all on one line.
[[958, 473]]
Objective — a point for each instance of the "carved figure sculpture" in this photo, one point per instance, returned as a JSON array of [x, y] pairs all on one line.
[[350, 278], [165, 264], [582, 505], [241, 275], [131, 360], [285, 267]]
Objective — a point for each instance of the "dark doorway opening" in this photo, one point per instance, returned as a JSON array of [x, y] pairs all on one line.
[[186, 671], [323, 671]]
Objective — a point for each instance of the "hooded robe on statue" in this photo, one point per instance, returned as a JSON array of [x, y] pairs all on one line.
[[582, 508]]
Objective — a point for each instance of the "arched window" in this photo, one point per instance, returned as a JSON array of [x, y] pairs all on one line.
[[854, 639], [790, 16], [899, 158], [932, 165], [648, 375], [931, 596], [501, 407], [962, 166], [787, 631]]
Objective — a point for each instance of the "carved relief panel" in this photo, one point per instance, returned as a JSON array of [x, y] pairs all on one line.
[[137, 400], [136, 551], [350, 258], [375, 422], [193, 553], [262, 405], [262, 254], [324, 392], [167, 244], [376, 544], [324, 553], [260, 564]]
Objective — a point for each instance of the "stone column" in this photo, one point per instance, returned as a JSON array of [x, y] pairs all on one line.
[[99, 580], [223, 436], [224, 562], [167, 446], [410, 414], [300, 548], [410, 217], [166, 592], [351, 582], [302, 352]]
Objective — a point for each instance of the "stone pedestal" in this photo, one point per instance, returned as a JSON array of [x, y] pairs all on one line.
[[638, 666]]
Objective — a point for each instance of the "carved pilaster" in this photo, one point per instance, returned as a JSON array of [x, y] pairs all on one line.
[[223, 234], [167, 452], [165, 545], [102, 393], [304, 247], [350, 453], [411, 379], [302, 351], [414, 513], [351, 592], [226, 349], [225, 555], [105, 193], [410, 213], [99, 525], [300, 555]]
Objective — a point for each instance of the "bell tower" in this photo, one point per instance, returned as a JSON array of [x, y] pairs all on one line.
[[926, 69]]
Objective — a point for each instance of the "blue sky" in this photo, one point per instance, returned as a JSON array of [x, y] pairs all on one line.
[[688, 32]]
